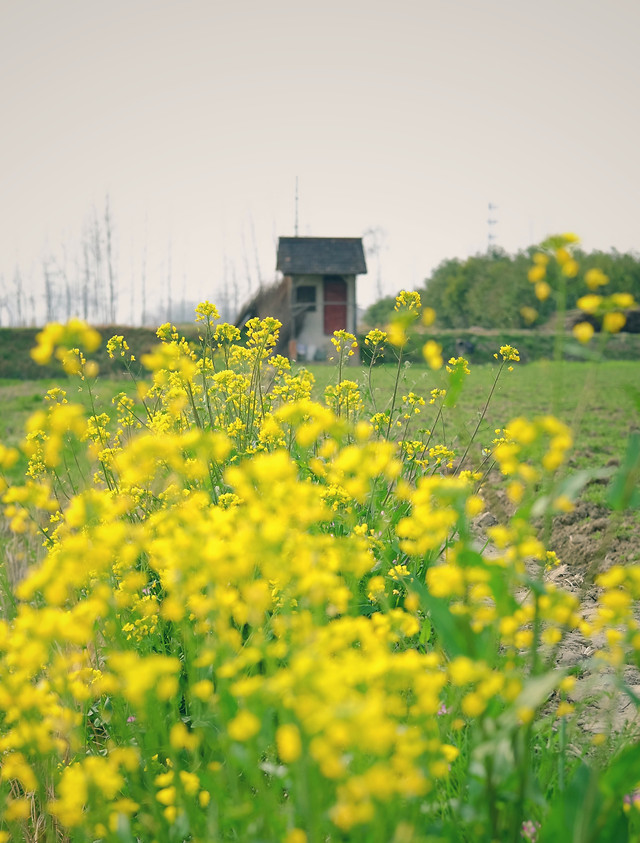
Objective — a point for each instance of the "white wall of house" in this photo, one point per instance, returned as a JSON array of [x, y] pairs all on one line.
[[312, 342]]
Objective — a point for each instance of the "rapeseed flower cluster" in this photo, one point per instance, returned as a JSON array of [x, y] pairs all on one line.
[[253, 616], [604, 311]]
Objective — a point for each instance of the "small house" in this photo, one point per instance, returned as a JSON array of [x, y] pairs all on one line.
[[320, 278]]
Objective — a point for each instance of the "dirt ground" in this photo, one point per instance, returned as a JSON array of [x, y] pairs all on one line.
[[589, 540]]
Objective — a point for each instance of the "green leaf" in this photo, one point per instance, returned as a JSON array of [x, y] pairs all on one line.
[[574, 810], [506, 603], [449, 629], [456, 381], [634, 394], [590, 809], [537, 689], [624, 490], [623, 773], [570, 486]]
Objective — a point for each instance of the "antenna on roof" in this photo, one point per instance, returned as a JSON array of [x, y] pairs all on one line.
[[296, 219]]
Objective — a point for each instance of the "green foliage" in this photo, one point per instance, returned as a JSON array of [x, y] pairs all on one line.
[[379, 314], [479, 346], [16, 344], [489, 290]]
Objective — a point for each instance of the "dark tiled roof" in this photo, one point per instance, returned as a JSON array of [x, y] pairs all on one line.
[[321, 256]]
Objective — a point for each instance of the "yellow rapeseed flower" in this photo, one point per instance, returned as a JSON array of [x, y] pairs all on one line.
[[432, 353], [589, 303], [595, 278], [428, 316], [623, 301], [583, 331], [542, 290], [244, 726], [288, 742], [614, 322], [570, 268], [564, 708]]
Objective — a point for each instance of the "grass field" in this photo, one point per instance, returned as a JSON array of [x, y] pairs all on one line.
[[593, 400]]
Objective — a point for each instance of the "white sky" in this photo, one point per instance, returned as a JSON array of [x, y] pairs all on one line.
[[408, 115]]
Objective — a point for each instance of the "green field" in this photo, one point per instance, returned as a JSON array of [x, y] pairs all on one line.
[[176, 553], [594, 400]]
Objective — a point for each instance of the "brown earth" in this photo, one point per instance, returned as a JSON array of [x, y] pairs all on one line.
[[588, 541]]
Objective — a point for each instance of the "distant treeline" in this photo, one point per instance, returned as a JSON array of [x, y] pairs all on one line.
[[490, 290]]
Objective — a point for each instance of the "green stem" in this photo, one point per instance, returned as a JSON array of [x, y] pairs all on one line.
[[395, 393], [561, 310], [480, 420], [369, 374]]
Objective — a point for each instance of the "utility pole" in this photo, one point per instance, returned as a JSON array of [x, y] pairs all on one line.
[[296, 211], [491, 237]]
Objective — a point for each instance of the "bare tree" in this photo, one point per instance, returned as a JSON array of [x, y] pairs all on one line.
[[143, 277], [108, 233], [225, 304], [236, 292], [4, 302], [131, 293], [32, 308], [49, 290], [96, 253], [169, 290], [19, 295], [86, 280], [374, 242], [254, 243], [63, 275], [245, 258], [183, 306]]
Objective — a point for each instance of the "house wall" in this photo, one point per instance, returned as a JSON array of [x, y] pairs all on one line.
[[312, 342]]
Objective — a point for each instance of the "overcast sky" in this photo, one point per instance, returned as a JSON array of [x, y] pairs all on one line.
[[196, 118]]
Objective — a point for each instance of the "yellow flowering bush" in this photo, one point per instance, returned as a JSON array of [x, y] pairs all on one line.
[[251, 616]]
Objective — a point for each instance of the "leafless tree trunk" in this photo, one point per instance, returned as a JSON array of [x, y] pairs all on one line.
[[32, 308], [234, 286], [131, 293], [19, 293], [108, 231], [86, 281], [245, 258], [374, 243], [143, 282], [185, 316], [63, 275], [96, 248], [49, 291], [225, 304], [4, 302], [169, 290], [254, 243]]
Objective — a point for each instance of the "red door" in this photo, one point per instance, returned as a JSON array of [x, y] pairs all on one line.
[[335, 304]]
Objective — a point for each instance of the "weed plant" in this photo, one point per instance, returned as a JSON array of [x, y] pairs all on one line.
[[252, 616]]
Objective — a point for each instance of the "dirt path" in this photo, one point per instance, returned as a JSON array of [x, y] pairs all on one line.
[[588, 541]]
